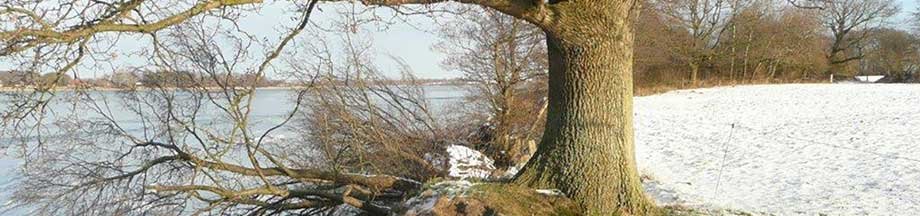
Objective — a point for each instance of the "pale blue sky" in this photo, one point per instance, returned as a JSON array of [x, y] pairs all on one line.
[[411, 40]]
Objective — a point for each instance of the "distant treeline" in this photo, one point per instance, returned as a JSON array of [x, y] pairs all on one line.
[[681, 42], [132, 79], [183, 79]]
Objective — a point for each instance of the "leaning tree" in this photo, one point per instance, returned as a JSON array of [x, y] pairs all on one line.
[[587, 147]]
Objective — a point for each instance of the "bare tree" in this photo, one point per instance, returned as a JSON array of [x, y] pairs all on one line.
[[503, 58], [746, 40], [703, 20], [850, 22], [766, 41], [364, 123], [915, 16], [799, 49], [893, 53], [188, 143]]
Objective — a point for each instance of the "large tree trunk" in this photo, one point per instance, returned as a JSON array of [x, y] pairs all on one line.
[[587, 148]]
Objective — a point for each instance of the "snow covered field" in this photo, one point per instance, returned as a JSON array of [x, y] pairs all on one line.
[[842, 149]]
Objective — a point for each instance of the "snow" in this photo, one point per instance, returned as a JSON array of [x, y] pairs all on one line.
[[550, 192], [468, 163], [870, 78], [803, 149], [424, 203], [511, 172], [419, 205]]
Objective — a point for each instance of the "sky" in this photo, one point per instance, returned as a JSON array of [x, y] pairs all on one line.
[[411, 39]]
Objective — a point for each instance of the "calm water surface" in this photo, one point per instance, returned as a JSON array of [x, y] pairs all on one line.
[[270, 107]]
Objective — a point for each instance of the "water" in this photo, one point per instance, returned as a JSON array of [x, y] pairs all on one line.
[[270, 107]]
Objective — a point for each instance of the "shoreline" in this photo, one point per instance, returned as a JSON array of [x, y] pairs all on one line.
[[64, 89]]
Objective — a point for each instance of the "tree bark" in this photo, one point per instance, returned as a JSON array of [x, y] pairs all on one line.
[[587, 149], [694, 73]]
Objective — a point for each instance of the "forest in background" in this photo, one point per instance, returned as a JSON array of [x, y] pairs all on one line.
[[691, 43]]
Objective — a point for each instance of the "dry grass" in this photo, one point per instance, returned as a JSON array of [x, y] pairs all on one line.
[[511, 199], [496, 199], [645, 89]]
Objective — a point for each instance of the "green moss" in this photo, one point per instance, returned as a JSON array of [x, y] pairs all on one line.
[[510, 199]]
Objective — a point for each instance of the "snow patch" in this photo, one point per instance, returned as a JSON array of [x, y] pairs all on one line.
[[511, 172], [467, 163], [427, 200], [870, 78], [550, 192]]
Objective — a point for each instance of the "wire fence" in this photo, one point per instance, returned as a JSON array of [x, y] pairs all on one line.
[[776, 135]]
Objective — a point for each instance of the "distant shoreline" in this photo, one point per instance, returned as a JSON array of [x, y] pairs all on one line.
[[28, 89], [64, 89]]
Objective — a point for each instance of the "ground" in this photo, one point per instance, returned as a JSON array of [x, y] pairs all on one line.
[[461, 197], [804, 149], [832, 149]]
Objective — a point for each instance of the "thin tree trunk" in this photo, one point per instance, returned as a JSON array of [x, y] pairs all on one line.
[[731, 72], [694, 73], [772, 71], [757, 68], [747, 57], [587, 149]]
